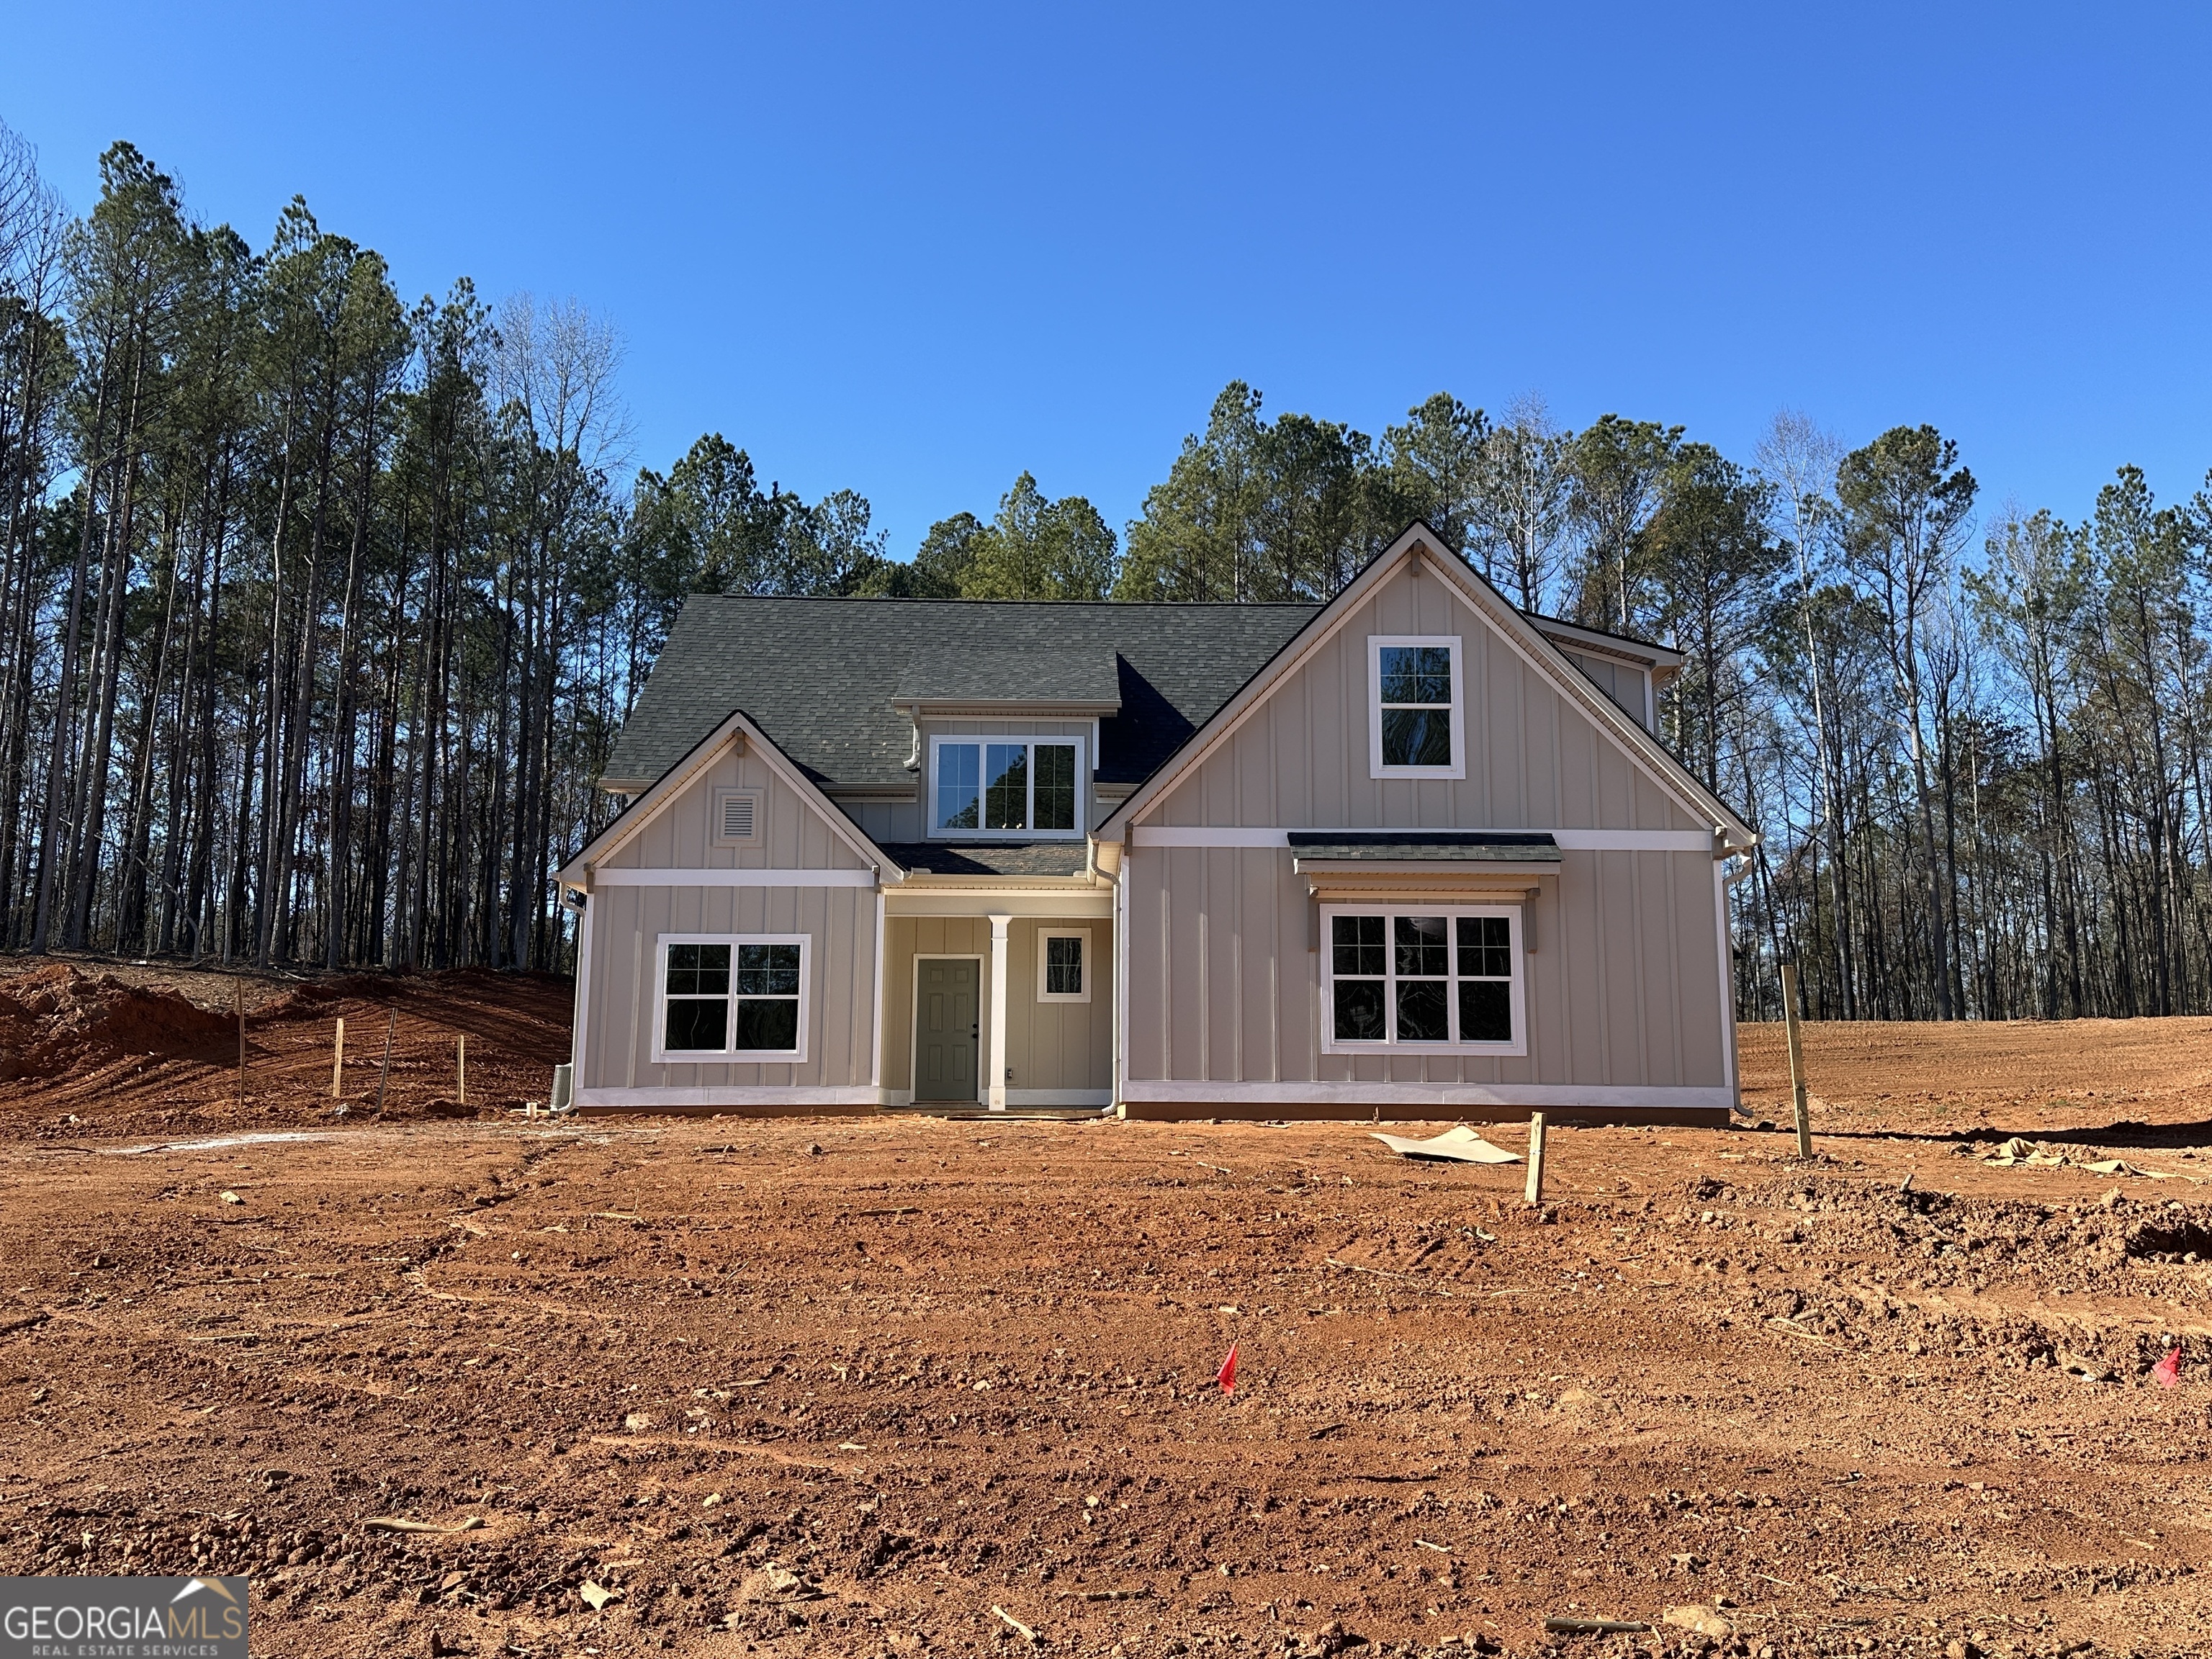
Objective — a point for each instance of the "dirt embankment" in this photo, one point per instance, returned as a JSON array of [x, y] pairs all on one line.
[[93, 1048]]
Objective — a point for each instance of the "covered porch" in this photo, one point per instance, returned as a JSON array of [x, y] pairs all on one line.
[[998, 980]]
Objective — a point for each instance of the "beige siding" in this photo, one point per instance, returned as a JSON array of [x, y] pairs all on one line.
[[1050, 1045], [1623, 985], [1535, 760], [794, 833], [627, 921]]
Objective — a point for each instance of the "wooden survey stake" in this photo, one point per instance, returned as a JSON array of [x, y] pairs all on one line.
[[1796, 1060], [238, 994], [1535, 1158], [384, 1072], [337, 1060], [461, 1071]]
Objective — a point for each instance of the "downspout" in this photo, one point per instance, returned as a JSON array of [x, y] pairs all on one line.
[[1729, 868]]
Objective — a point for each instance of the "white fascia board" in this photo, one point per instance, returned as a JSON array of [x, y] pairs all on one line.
[[1568, 841]]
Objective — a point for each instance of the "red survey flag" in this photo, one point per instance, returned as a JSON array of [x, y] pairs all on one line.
[[2167, 1372], [1227, 1377]]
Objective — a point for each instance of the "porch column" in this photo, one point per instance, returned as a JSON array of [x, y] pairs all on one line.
[[997, 1094]]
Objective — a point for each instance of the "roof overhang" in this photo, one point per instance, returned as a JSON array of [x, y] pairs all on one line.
[[1418, 542]]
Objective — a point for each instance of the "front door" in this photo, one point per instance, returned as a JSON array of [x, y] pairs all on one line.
[[945, 1045]]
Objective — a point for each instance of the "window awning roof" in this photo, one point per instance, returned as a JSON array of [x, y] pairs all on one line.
[[1402, 852]]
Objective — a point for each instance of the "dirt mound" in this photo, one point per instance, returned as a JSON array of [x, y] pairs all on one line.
[[58, 1019]]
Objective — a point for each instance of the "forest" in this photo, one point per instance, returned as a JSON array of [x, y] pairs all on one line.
[[319, 611]]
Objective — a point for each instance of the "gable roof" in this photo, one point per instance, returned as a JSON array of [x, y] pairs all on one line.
[[678, 777], [827, 676], [1419, 541]]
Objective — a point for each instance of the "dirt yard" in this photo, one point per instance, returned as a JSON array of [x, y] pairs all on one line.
[[906, 1387]]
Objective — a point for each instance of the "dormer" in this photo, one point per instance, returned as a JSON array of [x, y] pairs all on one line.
[[1632, 672], [1006, 741]]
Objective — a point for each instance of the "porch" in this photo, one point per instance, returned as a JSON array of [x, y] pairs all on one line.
[[998, 994]]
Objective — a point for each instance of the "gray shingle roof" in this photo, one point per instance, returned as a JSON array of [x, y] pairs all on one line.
[[1039, 676], [820, 676], [1026, 858]]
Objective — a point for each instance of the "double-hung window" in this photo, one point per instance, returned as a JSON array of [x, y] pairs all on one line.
[[994, 786], [1416, 706], [732, 997], [1432, 979]]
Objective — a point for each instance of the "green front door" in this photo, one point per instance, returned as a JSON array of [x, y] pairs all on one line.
[[945, 1044]]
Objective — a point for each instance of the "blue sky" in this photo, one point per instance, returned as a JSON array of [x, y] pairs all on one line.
[[914, 250]]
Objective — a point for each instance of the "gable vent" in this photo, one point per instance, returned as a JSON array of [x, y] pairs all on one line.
[[736, 814]]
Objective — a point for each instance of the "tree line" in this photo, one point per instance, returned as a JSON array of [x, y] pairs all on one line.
[[319, 611]]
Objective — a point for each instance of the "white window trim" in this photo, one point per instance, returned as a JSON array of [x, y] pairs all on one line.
[[715, 825], [1080, 934], [1454, 643], [731, 1056], [1330, 1044], [939, 739]]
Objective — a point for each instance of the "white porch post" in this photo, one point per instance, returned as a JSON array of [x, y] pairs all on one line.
[[997, 1094]]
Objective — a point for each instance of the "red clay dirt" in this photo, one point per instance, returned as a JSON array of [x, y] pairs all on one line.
[[907, 1386]]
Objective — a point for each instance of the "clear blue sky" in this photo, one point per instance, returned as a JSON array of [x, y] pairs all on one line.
[[914, 250]]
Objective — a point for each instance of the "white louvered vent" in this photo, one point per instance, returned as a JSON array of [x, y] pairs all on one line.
[[736, 814]]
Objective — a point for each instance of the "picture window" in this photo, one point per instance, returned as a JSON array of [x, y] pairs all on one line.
[[1439, 979], [1006, 787], [734, 997]]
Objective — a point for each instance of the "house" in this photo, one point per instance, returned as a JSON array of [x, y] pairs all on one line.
[[1410, 853]]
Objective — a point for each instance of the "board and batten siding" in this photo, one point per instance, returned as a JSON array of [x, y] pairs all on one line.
[[1223, 972], [1060, 1048], [627, 921]]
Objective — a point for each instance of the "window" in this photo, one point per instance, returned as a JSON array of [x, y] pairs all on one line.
[[1006, 787], [1438, 980], [1063, 967], [1417, 707], [731, 996], [737, 817]]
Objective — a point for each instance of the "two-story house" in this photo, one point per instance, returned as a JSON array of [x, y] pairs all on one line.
[[1410, 853]]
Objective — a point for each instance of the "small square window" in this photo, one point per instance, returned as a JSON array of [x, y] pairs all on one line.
[[1063, 966]]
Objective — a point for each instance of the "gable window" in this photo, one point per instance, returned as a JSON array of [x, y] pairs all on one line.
[[1432, 979], [1417, 707], [1005, 786], [732, 997], [1063, 970]]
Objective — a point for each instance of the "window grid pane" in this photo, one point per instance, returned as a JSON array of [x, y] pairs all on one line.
[[767, 1023], [1416, 693], [1402, 978], [1063, 967], [1055, 786], [1006, 792], [959, 770]]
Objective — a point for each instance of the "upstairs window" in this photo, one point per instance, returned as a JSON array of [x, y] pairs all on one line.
[[1432, 980], [1416, 706], [1006, 787]]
